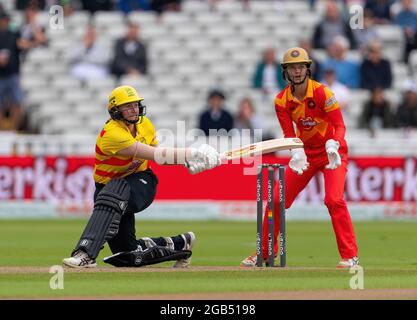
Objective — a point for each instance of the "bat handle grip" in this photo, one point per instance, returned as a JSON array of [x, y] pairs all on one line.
[[223, 158]]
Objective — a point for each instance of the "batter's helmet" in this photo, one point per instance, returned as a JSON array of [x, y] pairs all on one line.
[[120, 96]]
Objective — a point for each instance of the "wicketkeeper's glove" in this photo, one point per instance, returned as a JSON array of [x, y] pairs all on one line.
[[298, 162], [332, 147]]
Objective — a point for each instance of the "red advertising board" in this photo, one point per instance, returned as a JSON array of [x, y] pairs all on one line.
[[369, 179]]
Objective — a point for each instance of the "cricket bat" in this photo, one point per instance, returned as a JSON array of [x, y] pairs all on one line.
[[262, 148]]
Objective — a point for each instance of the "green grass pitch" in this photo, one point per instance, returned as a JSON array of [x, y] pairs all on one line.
[[388, 255]]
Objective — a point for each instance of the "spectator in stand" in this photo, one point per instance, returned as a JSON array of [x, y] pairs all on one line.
[[341, 92], [268, 73], [381, 10], [32, 35], [331, 27], [347, 72], [89, 59], [313, 4], [377, 112], [406, 115], [24, 4], [161, 6], [375, 70], [368, 32], [315, 66], [248, 121], [69, 8], [407, 19], [245, 3], [97, 5], [127, 6], [130, 56], [216, 117], [11, 95]]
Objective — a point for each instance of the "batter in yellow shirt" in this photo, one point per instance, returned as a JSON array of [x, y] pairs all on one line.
[[114, 137]]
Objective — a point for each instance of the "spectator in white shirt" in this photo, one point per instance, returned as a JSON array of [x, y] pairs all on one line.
[[341, 92], [89, 59]]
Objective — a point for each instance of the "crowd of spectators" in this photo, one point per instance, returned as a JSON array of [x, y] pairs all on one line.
[[373, 71], [332, 34], [93, 6], [14, 46], [11, 95]]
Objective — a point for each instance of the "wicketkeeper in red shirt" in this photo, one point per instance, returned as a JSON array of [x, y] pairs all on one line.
[[314, 110]]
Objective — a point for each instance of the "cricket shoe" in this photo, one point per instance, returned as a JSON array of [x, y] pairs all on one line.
[[80, 259], [189, 240], [348, 263], [251, 261]]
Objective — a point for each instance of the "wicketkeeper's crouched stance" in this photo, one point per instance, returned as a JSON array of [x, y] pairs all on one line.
[[125, 185], [313, 108]]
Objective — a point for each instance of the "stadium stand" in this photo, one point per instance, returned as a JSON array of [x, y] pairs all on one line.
[[190, 52]]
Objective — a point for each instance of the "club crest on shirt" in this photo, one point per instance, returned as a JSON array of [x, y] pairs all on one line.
[[307, 123], [311, 104]]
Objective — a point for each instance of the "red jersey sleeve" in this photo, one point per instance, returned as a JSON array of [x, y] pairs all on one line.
[[284, 119], [335, 117], [334, 114]]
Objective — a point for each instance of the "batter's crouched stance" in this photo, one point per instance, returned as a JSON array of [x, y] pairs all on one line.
[[314, 110], [125, 185]]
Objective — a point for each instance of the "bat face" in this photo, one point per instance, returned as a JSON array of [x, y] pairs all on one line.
[[240, 152], [297, 140], [263, 147]]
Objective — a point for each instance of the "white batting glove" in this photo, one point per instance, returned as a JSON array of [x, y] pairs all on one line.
[[207, 153], [298, 162], [203, 158], [332, 147], [195, 166], [212, 157]]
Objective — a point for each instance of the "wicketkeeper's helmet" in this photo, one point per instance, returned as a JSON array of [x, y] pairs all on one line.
[[295, 55]]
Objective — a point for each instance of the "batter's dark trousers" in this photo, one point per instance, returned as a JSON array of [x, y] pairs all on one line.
[[142, 193]]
